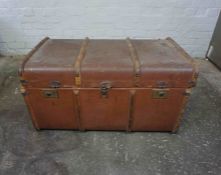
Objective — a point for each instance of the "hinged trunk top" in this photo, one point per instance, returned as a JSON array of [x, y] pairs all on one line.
[[122, 63], [107, 60], [52, 62]]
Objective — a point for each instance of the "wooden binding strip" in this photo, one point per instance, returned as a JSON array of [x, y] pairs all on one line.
[[77, 110], [135, 60], [31, 111], [177, 123], [77, 71], [77, 64], [131, 110], [21, 70]]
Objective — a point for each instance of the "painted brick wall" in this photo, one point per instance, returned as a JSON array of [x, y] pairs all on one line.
[[24, 22]]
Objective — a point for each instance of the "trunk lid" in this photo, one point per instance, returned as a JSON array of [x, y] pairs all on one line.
[[121, 63]]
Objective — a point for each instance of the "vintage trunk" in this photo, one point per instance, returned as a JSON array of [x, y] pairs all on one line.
[[132, 85]]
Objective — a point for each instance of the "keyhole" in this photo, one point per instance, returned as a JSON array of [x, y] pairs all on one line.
[[48, 95], [161, 94]]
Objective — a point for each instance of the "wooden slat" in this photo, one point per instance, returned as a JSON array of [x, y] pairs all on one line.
[[135, 60], [77, 64]]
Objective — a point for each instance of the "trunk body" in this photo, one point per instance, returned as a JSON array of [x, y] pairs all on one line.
[[132, 85]]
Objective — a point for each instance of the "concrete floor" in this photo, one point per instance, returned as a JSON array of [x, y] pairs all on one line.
[[195, 149]]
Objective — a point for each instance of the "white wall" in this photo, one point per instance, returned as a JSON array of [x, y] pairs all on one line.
[[24, 22]]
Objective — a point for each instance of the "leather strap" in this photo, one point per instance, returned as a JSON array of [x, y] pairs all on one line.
[[77, 64], [136, 62]]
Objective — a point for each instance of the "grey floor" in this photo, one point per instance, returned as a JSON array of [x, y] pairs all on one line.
[[195, 149]]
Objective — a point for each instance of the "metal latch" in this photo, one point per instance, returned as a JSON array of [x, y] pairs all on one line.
[[104, 88], [55, 84], [162, 84], [50, 93], [160, 93]]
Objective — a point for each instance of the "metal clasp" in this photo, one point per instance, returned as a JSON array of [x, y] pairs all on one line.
[[55, 84], [162, 84], [160, 93], [104, 88], [50, 93]]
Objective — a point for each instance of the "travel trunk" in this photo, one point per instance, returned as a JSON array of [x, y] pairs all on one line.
[[129, 85]]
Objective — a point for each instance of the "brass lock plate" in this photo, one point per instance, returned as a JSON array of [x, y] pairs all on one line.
[[160, 93], [50, 93]]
